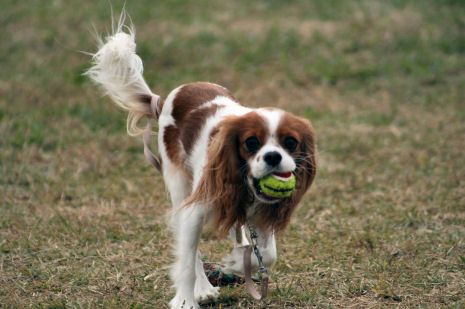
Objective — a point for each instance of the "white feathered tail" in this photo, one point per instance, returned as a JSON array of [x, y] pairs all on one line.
[[118, 70]]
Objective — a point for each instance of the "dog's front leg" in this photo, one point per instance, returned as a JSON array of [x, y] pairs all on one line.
[[189, 223], [234, 261]]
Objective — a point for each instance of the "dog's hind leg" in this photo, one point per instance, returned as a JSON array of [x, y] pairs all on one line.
[[183, 273], [186, 224]]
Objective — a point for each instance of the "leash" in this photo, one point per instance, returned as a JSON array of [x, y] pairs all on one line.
[[263, 275], [148, 130]]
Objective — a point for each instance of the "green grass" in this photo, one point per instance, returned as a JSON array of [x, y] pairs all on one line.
[[82, 214]]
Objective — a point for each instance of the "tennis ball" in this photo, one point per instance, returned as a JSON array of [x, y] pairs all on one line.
[[278, 185]]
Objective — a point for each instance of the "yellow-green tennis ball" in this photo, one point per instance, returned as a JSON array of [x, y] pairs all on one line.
[[276, 186]]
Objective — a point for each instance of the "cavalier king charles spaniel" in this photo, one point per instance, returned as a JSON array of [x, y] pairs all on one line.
[[212, 152]]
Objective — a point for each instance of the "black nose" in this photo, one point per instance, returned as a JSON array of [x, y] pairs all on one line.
[[272, 158]]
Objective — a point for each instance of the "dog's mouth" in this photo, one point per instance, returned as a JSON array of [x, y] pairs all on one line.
[[262, 196]]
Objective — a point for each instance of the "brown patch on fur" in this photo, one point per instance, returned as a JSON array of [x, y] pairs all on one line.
[[213, 133], [192, 96], [188, 99], [277, 216], [255, 126], [171, 140], [194, 123]]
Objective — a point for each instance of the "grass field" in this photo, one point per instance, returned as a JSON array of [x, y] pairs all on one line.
[[82, 213]]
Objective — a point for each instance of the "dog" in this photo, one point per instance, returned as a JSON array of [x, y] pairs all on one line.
[[212, 152]]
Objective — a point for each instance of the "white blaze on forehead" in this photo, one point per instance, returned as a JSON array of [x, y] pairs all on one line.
[[272, 118], [258, 165]]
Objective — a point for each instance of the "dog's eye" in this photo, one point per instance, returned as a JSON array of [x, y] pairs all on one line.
[[252, 144], [290, 143]]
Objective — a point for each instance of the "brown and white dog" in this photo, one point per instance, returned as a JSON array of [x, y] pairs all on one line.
[[212, 152]]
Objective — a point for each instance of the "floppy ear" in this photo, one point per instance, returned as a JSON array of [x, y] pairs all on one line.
[[222, 184], [306, 164], [277, 216]]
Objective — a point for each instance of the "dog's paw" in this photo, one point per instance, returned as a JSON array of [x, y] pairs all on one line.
[[207, 294], [179, 302]]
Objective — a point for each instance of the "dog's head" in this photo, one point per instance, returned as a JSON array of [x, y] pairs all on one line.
[[246, 148]]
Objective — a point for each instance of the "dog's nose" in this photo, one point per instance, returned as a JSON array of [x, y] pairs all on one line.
[[272, 158]]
